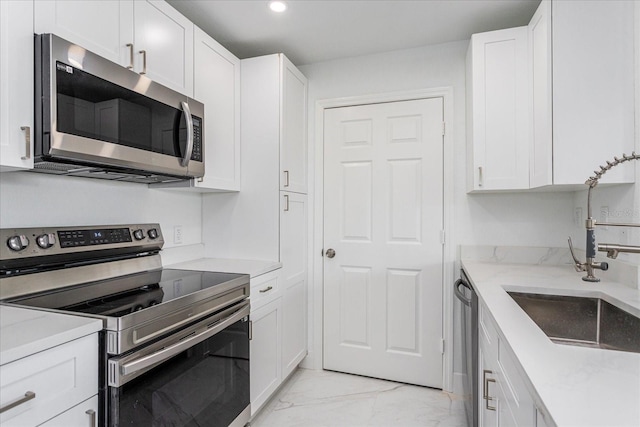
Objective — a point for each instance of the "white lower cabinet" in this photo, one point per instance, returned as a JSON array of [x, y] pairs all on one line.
[[49, 383], [266, 350], [84, 414], [504, 396], [266, 338]]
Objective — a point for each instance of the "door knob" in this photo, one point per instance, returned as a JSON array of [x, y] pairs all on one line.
[[331, 253]]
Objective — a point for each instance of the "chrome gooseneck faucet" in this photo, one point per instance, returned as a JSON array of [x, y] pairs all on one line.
[[612, 250]]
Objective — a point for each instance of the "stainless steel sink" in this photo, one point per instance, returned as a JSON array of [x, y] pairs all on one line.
[[582, 321]]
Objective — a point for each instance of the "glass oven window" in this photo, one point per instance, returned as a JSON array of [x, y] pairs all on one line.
[[205, 386], [91, 107]]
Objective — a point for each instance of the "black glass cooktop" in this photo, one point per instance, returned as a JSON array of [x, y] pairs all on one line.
[[127, 294]]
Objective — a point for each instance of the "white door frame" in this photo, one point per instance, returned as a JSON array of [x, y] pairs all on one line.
[[314, 358]]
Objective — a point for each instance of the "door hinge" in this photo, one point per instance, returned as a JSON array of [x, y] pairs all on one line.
[[442, 237], [444, 128], [441, 346]]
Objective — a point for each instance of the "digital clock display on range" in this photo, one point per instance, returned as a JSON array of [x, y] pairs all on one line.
[[76, 238]]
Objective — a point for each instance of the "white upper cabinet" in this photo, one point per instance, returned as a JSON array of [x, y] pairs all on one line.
[[16, 85], [103, 27], [293, 144], [593, 88], [163, 44], [148, 36], [541, 155], [217, 85], [576, 60], [497, 122]]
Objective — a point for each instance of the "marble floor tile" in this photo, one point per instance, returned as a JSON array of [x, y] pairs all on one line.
[[324, 398]]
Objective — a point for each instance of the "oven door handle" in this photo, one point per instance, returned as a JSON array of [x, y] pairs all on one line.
[[150, 360]]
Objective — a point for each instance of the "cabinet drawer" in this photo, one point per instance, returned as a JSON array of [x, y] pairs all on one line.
[[265, 288], [61, 377], [84, 414]]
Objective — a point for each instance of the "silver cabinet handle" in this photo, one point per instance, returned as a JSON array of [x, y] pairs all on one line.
[[286, 178], [130, 46], [267, 289], [27, 140], [480, 176], [286, 203], [144, 61], [27, 397], [189, 120], [92, 414], [485, 393]]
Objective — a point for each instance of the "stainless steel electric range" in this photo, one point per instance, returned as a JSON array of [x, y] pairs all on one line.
[[175, 343]]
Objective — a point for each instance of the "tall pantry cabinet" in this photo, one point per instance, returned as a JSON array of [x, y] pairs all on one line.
[[268, 218]]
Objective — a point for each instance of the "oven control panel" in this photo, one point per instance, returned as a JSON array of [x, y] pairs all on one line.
[[18, 243]]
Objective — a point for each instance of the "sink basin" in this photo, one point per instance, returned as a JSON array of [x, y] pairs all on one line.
[[582, 321]]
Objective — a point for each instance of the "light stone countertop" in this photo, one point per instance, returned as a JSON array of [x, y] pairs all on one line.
[[251, 267], [24, 332], [576, 386]]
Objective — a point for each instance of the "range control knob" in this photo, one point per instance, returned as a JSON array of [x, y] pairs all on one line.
[[152, 233], [138, 234], [45, 241], [18, 243]]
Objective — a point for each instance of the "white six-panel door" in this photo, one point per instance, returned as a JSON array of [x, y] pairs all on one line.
[[383, 217]]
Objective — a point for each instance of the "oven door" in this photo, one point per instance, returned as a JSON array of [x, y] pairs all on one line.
[[196, 377]]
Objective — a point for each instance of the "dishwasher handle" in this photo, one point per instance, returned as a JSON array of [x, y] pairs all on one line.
[[459, 294]]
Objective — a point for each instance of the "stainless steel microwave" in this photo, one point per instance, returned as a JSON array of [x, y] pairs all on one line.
[[97, 119]]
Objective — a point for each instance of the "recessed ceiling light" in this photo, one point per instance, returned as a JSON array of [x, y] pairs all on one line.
[[277, 6]]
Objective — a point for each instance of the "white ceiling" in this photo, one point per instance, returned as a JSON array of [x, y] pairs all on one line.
[[320, 30]]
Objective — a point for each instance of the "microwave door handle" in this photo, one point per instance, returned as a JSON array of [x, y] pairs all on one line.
[[187, 116]]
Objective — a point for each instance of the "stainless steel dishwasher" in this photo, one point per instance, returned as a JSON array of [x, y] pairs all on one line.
[[465, 292]]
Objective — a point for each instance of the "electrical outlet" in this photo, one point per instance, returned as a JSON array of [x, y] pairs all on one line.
[[177, 234]]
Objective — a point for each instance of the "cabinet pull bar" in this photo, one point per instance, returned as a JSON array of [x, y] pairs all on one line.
[[144, 61], [130, 46], [480, 176], [267, 289], [485, 389], [92, 414], [27, 397], [286, 203], [286, 178], [27, 140]]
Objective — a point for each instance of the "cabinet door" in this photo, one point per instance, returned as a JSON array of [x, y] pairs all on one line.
[[265, 353], [541, 155], [84, 414], [60, 378], [593, 88], [293, 143], [488, 401], [293, 244], [499, 97], [103, 27], [16, 85], [217, 85], [164, 45]]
